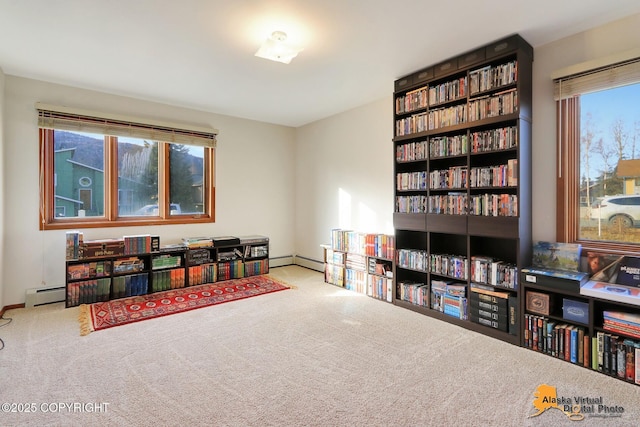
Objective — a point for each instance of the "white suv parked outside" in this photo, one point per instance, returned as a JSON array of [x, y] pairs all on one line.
[[619, 211]]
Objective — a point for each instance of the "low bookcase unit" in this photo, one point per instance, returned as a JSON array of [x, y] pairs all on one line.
[[101, 270], [595, 333], [361, 262], [462, 178]]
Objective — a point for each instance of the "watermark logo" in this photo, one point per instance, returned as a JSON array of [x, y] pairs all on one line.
[[575, 408]]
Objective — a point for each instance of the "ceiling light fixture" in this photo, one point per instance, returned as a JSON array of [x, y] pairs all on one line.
[[277, 49]]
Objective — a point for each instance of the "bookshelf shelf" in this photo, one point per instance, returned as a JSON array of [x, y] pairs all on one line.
[[104, 270], [477, 127], [361, 262], [581, 341]]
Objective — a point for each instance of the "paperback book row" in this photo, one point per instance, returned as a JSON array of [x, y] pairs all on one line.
[[448, 91], [495, 105], [480, 80], [494, 272], [491, 77], [505, 175], [369, 244], [500, 104], [446, 146], [443, 296], [610, 353]]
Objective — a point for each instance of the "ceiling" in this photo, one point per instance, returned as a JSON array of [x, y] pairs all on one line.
[[200, 53]]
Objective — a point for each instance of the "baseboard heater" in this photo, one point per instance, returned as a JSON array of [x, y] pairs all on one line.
[[309, 263], [41, 296]]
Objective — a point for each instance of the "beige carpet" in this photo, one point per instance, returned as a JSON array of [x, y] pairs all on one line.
[[317, 355]]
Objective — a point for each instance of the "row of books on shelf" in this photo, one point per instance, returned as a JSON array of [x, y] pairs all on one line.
[[449, 265], [452, 203], [203, 273], [491, 77], [494, 272], [448, 91], [456, 145], [356, 261], [480, 80], [412, 151], [165, 280], [453, 177], [89, 270], [412, 181], [412, 204], [495, 176], [231, 270], [504, 103], [378, 287], [129, 285], [256, 268], [370, 244], [493, 106], [493, 204], [497, 310], [450, 298], [334, 275], [459, 177], [445, 146], [605, 352], [413, 100], [88, 291]]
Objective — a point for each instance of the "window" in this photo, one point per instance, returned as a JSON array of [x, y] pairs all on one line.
[[598, 197], [101, 170]]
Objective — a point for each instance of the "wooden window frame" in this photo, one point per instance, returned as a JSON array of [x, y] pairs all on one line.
[[568, 182], [48, 220]]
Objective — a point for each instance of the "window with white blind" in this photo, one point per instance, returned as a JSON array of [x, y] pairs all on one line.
[[99, 170], [598, 151]]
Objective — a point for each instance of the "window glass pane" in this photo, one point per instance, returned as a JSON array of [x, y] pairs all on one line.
[[137, 177], [610, 165], [186, 189], [79, 174]]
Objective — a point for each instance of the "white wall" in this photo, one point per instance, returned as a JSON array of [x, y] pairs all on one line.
[[344, 175], [254, 182], [596, 43], [353, 150], [2, 181]]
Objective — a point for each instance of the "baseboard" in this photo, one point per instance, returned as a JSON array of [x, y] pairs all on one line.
[[309, 263], [280, 261], [296, 260], [10, 307]]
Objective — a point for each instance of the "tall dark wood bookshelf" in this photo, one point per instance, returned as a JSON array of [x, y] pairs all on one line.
[[462, 169]]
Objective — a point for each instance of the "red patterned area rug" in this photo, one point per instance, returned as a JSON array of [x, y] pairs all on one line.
[[102, 315]]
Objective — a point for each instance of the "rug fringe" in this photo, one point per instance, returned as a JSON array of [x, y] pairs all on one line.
[[284, 282], [85, 320]]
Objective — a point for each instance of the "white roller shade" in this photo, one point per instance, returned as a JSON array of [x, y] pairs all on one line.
[[65, 118]]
